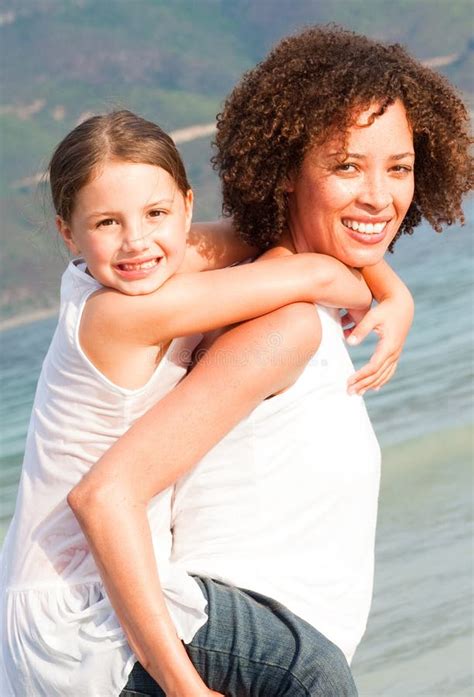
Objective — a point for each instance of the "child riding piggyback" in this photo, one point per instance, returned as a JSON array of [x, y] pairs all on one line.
[[135, 302]]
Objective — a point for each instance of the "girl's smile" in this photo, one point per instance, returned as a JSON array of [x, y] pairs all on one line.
[[130, 224], [134, 269]]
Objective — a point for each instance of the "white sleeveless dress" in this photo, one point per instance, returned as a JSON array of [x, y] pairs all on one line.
[[60, 636]]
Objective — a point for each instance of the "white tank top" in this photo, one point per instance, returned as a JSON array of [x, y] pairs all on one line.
[[286, 504], [60, 636]]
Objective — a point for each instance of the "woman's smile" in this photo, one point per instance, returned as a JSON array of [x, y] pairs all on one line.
[[366, 232], [368, 227]]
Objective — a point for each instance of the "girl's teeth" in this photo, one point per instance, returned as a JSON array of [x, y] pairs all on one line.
[[139, 267], [367, 228]]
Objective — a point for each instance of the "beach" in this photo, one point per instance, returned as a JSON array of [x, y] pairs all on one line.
[[28, 318]]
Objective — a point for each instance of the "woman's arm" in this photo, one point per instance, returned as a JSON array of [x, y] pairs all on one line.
[[200, 302], [110, 502]]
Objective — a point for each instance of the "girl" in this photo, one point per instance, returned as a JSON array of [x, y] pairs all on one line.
[[124, 205]]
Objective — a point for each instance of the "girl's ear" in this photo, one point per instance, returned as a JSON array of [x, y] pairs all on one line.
[[66, 233], [188, 204]]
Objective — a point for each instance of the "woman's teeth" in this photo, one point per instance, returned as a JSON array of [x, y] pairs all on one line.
[[139, 267], [366, 228]]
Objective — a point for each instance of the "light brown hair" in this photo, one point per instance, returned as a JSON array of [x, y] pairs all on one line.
[[119, 135]]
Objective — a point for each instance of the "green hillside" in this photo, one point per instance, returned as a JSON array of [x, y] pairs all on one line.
[[173, 62]]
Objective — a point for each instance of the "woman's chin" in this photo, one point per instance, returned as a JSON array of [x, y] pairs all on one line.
[[363, 257], [362, 249]]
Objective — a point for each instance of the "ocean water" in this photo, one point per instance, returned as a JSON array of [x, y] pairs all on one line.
[[419, 636]]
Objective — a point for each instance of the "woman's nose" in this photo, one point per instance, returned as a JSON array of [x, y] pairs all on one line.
[[375, 193]]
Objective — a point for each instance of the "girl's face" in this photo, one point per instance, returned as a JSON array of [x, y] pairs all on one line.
[[350, 204], [130, 224]]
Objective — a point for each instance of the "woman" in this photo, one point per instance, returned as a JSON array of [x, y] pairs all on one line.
[[317, 151]]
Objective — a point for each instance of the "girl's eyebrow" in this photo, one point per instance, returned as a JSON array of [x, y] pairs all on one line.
[[160, 202], [100, 214]]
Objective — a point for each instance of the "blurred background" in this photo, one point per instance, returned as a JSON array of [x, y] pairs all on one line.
[[174, 62]]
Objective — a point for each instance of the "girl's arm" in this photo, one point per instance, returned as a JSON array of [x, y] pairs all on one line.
[[391, 319], [111, 500], [200, 302], [385, 284], [214, 246]]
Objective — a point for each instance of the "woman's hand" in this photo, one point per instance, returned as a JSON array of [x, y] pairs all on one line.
[[391, 320]]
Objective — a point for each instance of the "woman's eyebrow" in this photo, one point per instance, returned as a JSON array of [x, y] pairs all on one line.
[[360, 156], [402, 155]]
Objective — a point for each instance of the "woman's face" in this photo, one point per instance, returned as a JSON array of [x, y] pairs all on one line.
[[349, 204]]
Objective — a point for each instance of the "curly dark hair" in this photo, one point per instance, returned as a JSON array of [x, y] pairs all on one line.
[[310, 88]]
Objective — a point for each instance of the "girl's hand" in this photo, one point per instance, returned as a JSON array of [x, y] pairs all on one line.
[[391, 320]]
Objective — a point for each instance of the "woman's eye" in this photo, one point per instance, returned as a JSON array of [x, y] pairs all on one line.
[[402, 169], [346, 167]]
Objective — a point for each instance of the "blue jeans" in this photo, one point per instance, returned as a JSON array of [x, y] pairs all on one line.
[[253, 646]]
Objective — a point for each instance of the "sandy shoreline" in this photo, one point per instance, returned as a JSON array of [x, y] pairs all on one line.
[[27, 318]]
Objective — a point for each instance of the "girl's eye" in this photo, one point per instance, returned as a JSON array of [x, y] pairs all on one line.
[[155, 213], [106, 222]]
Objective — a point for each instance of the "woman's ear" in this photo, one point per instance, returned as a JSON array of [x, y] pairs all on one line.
[[66, 233], [288, 183]]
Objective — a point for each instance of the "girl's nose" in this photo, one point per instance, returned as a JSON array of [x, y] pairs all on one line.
[[134, 239]]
